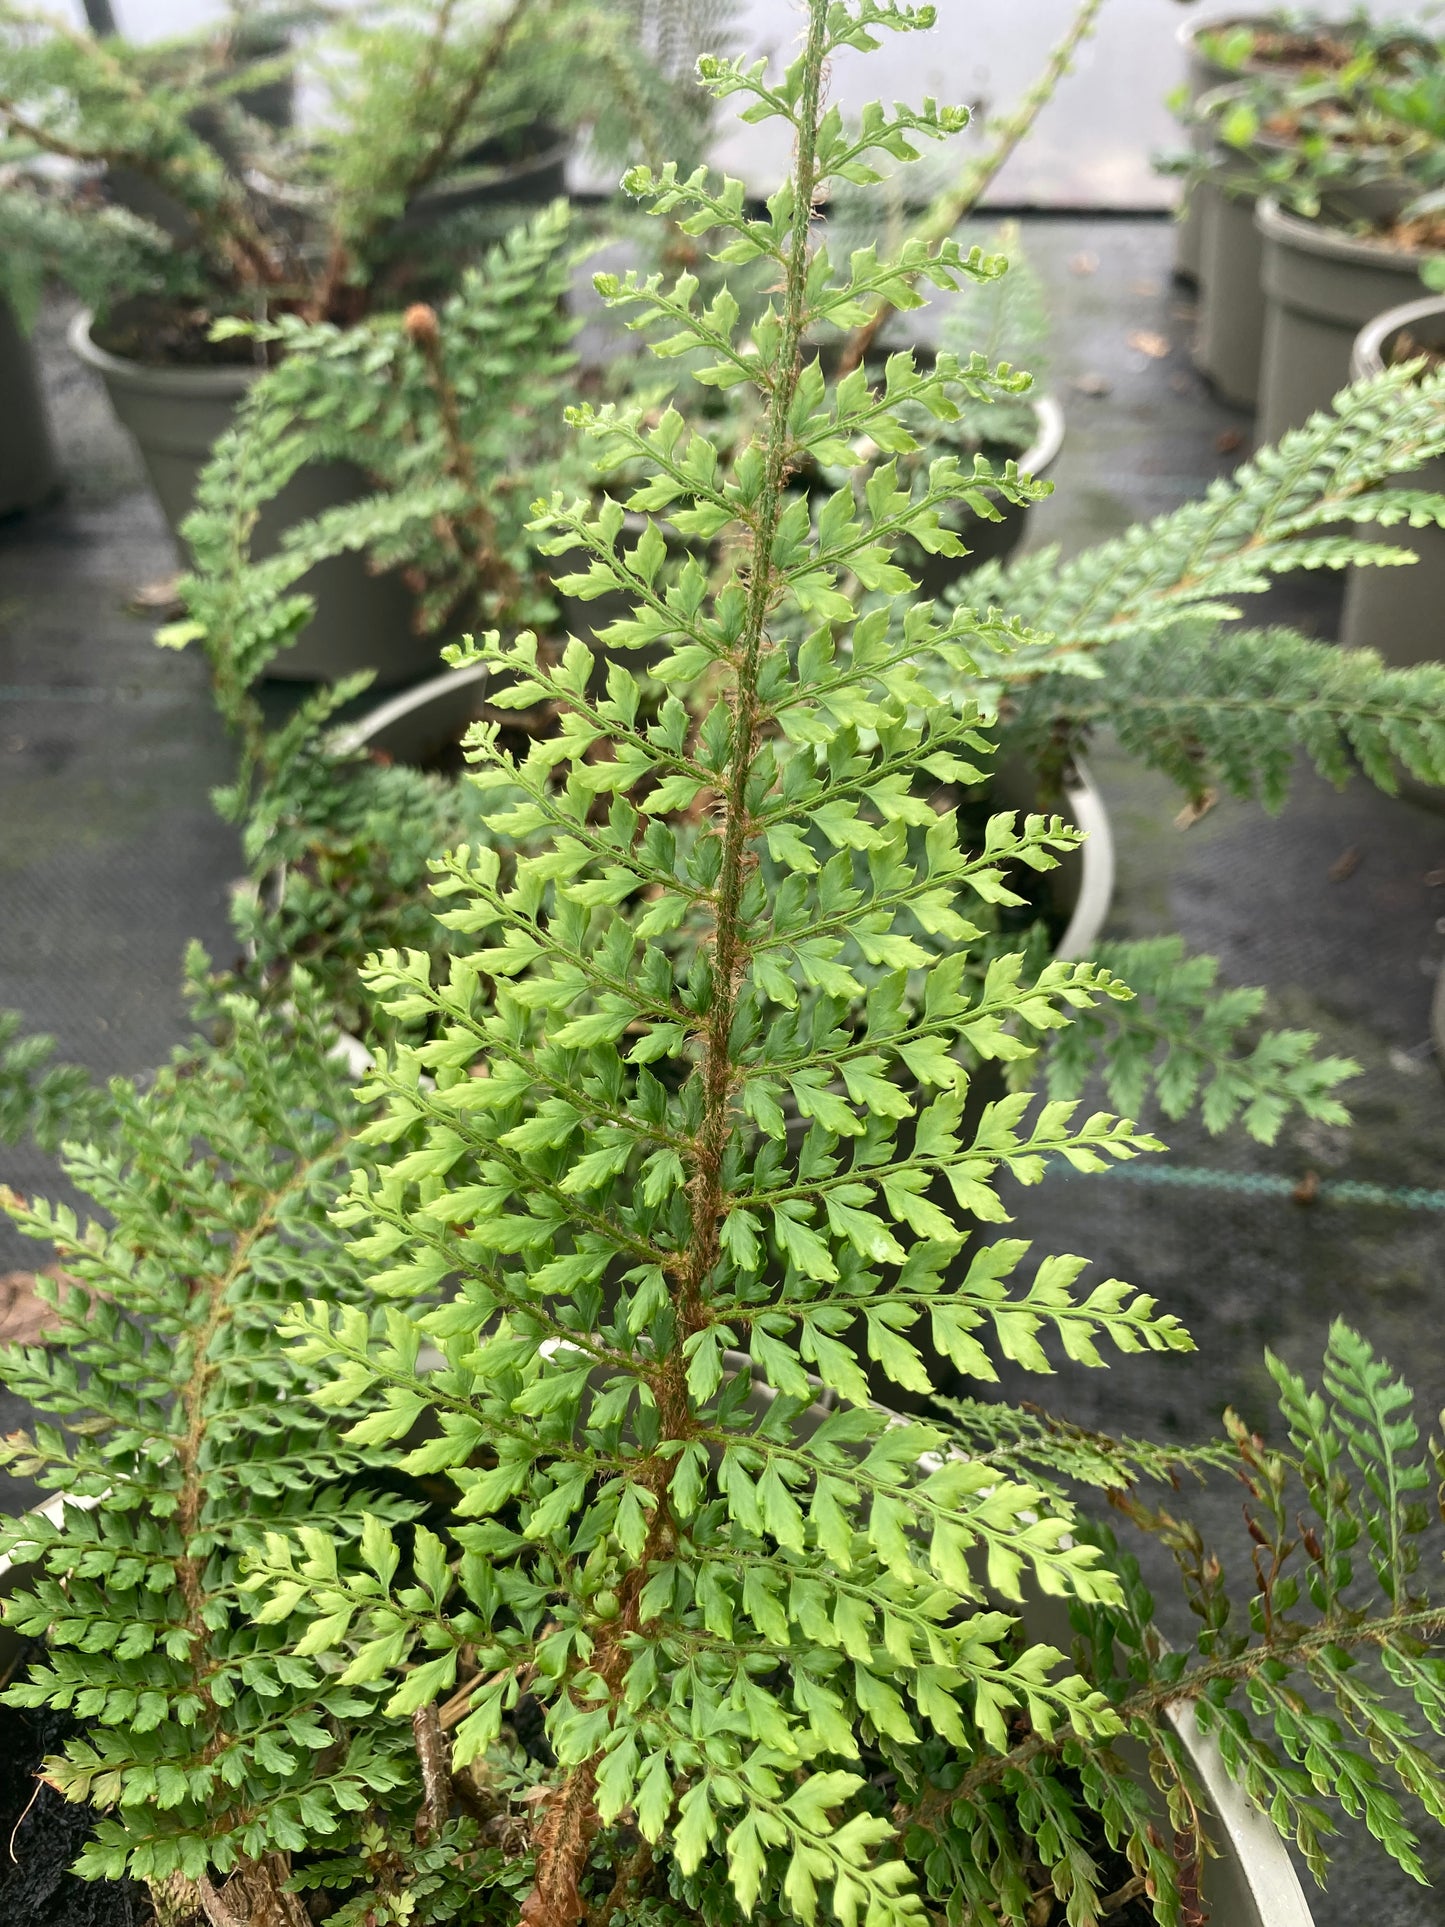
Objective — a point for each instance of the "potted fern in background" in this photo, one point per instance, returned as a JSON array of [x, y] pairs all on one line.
[[693, 1628], [398, 194], [1350, 128], [1290, 50]]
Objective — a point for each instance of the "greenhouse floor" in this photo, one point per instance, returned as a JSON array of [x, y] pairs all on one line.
[[112, 859]]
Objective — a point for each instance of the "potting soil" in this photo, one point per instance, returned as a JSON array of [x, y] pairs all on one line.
[[41, 1834]]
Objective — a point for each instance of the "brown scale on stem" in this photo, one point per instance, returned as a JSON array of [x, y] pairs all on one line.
[[423, 329], [570, 1821]]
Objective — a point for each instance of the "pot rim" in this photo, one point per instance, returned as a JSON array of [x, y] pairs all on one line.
[[1261, 142], [359, 735], [1317, 237], [1368, 357], [228, 383], [1052, 425], [1189, 33], [467, 179]]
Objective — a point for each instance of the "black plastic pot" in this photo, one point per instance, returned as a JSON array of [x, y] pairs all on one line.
[[488, 177], [274, 103], [485, 177]]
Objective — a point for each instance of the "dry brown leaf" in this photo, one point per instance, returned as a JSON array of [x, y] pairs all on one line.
[[156, 598], [1345, 865], [24, 1316], [1192, 811], [1228, 440], [1148, 343]]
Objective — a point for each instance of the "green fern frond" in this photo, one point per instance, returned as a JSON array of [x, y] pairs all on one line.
[[178, 1437], [1186, 1041], [40, 1100], [1230, 708], [1279, 512]]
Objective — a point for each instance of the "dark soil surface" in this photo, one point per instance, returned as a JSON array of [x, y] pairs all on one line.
[[160, 336], [1300, 52], [1283, 50], [1407, 347], [42, 1834]]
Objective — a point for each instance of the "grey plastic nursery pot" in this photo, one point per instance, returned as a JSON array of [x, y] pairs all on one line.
[[1401, 612], [29, 470], [1229, 342], [1321, 285], [1202, 74], [362, 620], [1229, 345]]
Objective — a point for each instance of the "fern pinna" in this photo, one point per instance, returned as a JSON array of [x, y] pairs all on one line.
[[636, 1170]]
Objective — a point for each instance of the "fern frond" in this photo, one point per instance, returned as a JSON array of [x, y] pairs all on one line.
[[1186, 1041], [1231, 708], [40, 1100], [1279, 512], [179, 1436]]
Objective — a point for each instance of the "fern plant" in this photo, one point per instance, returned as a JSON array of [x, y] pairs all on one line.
[[258, 221], [695, 1631], [650, 1208], [178, 1435], [1320, 1677], [1137, 634], [453, 413], [39, 1099]]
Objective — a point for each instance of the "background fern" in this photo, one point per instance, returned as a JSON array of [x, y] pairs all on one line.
[[178, 1433]]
